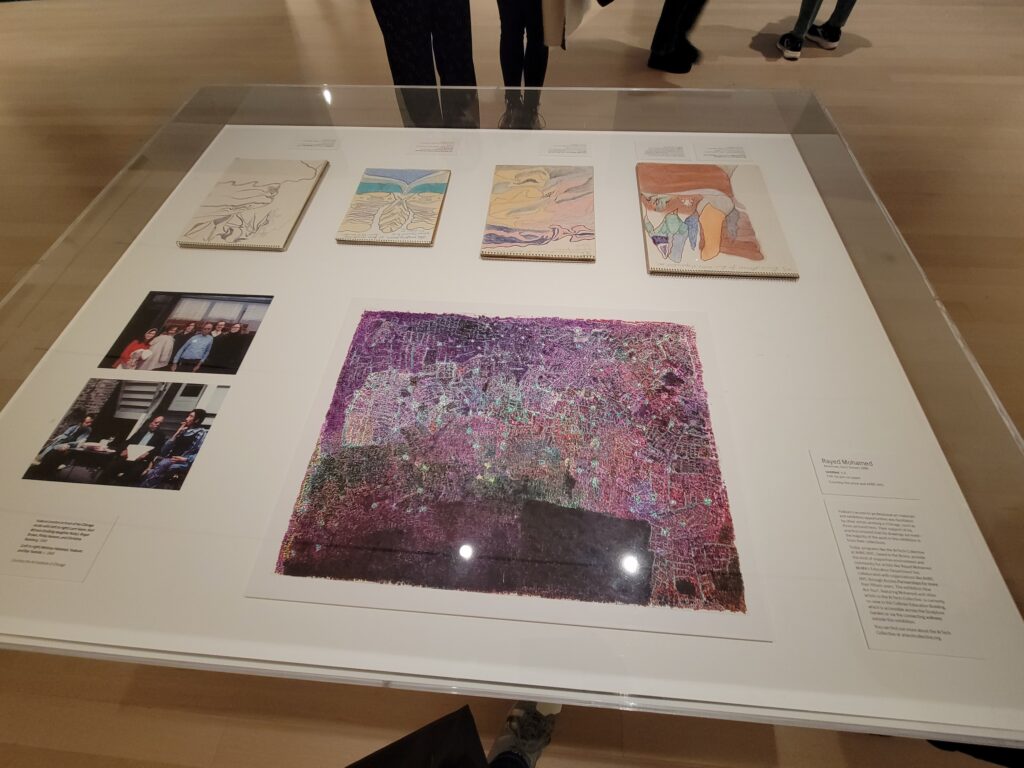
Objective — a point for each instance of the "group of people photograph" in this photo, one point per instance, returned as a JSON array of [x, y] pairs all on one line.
[[164, 334], [134, 434]]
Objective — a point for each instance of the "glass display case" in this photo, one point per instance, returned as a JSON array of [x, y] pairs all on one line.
[[754, 496]]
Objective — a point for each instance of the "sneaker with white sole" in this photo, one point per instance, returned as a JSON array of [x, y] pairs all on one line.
[[526, 733], [790, 45], [825, 35]]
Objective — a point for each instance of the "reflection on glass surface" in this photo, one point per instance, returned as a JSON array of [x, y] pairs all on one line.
[[522, 110], [630, 564]]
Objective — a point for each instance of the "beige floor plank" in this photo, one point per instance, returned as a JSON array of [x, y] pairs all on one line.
[[82, 726], [31, 757]]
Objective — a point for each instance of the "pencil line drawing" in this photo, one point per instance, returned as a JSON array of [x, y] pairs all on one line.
[[255, 204]]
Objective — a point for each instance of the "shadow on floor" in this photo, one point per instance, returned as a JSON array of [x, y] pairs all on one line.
[[764, 42]]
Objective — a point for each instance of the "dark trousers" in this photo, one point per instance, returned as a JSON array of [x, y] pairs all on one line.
[[519, 64], [678, 17], [421, 33], [122, 472]]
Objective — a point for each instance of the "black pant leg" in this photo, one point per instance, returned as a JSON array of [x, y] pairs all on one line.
[[449, 24], [678, 17], [406, 30], [535, 66], [510, 44]]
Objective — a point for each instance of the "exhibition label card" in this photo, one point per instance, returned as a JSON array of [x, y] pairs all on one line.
[[566, 148], [541, 212], [255, 205], [701, 219], [662, 151], [317, 144], [441, 145], [850, 473], [395, 206], [716, 152], [907, 597], [61, 547]]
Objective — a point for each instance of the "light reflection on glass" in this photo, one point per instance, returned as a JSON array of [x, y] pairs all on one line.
[[466, 551], [327, 95], [630, 564]]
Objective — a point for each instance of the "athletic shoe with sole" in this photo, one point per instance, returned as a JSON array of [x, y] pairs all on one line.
[[790, 45], [526, 733], [825, 35]]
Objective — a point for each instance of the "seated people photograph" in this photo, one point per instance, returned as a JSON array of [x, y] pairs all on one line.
[[188, 333], [175, 458], [136, 434]]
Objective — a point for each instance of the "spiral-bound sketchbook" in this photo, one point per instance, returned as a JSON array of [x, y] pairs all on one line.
[[541, 212], [702, 219], [255, 205], [395, 206]]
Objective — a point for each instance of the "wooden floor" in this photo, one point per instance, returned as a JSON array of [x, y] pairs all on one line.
[[929, 93]]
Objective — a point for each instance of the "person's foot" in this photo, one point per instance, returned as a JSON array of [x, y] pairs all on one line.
[[790, 45], [510, 118], [526, 733], [824, 35], [678, 62]]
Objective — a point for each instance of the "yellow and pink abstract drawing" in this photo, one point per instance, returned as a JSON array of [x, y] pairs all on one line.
[[541, 212]]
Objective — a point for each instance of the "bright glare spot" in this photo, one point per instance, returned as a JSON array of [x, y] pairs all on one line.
[[465, 551], [630, 564], [327, 95]]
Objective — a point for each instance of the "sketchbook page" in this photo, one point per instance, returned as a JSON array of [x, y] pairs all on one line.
[[710, 220], [541, 212], [395, 206], [256, 204]]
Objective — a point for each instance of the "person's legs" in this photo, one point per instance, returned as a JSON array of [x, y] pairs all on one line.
[[452, 40], [535, 65], [841, 14], [808, 13], [161, 467], [827, 35], [792, 43], [509, 760], [404, 25], [510, 46], [527, 732], [671, 50]]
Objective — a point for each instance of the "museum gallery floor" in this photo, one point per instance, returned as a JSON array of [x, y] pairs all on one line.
[[601, 417]]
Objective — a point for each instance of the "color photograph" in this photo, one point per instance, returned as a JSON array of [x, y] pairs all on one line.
[[189, 332], [138, 434]]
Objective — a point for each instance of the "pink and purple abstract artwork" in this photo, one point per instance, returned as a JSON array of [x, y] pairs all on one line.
[[547, 457]]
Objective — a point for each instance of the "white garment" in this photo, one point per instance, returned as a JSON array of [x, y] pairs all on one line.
[[561, 19], [161, 348]]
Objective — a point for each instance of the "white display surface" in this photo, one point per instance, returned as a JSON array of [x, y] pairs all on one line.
[[802, 369]]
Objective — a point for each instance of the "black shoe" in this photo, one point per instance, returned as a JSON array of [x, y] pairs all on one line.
[[678, 62], [825, 35], [790, 45], [510, 118], [526, 733]]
